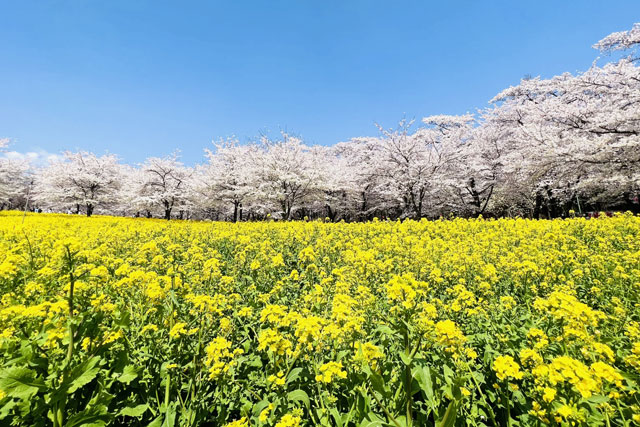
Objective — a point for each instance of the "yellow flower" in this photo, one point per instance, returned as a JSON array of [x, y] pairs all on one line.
[[149, 327], [264, 414], [272, 340], [242, 422], [219, 357], [178, 330], [548, 394], [277, 380], [507, 302], [370, 352], [329, 371], [565, 411], [289, 420], [530, 357], [506, 367], [112, 336], [277, 260], [605, 372], [449, 335]]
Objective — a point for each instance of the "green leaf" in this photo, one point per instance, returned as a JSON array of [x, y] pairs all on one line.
[[299, 396], [423, 376], [6, 408], [170, 416], [406, 359], [385, 330], [129, 373], [336, 416], [83, 374], [372, 420], [294, 375], [84, 379], [448, 373], [377, 382], [258, 407], [134, 411], [95, 416], [20, 383], [449, 418], [597, 399]]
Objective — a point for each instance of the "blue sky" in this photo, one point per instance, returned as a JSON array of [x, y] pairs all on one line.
[[142, 78]]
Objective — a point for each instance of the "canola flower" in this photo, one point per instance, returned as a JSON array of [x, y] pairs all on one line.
[[135, 321], [506, 367], [330, 371]]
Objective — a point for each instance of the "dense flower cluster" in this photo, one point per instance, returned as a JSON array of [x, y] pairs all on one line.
[[137, 321]]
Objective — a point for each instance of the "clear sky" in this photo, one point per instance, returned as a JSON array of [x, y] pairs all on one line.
[[142, 78]]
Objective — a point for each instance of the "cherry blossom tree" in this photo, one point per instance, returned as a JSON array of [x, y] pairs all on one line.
[[541, 148], [361, 162], [412, 164], [14, 179], [80, 180], [230, 176], [620, 41], [161, 182], [288, 173], [567, 133]]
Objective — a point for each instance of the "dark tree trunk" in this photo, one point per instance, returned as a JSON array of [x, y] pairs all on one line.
[[236, 206], [331, 213], [89, 209], [538, 205], [551, 204], [167, 210], [475, 197]]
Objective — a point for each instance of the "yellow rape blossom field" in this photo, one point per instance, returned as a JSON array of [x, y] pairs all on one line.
[[450, 322]]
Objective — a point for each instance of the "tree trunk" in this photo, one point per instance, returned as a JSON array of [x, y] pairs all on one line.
[[331, 213], [538, 205], [475, 196], [551, 204], [89, 209], [235, 211], [167, 210]]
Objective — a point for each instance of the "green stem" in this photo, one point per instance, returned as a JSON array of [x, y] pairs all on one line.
[[505, 402], [407, 374], [166, 392], [484, 398], [60, 409], [624, 421], [384, 409]]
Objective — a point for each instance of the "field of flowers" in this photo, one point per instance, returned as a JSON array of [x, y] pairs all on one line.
[[452, 322]]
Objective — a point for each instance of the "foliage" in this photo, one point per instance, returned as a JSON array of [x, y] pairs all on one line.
[[451, 322]]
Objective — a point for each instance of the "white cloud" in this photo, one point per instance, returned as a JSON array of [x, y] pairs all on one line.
[[36, 158]]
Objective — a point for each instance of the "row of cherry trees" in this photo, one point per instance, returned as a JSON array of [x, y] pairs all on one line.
[[543, 148]]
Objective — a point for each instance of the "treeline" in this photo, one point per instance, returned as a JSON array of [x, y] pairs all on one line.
[[541, 149]]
